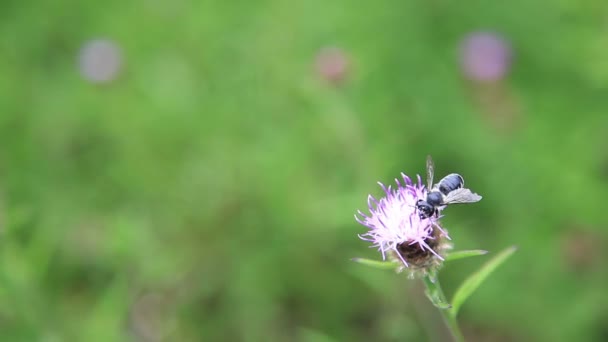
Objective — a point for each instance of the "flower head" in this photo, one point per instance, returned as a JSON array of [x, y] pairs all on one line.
[[100, 61], [485, 57], [398, 231], [333, 65]]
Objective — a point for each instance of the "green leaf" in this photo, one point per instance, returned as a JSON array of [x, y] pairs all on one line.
[[464, 254], [474, 280], [434, 293], [384, 265]]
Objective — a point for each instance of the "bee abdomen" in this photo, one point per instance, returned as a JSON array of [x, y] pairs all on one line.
[[450, 183]]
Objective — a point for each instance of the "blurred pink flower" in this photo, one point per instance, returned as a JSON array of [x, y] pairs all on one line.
[[332, 64], [100, 61], [485, 57]]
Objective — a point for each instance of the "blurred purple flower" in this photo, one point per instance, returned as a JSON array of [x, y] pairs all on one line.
[[100, 61], [395, 226], [485, 57], [332, 64]]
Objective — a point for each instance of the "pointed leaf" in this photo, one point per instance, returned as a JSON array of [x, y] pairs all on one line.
[[464, 254], [473, 281], [384, 265]]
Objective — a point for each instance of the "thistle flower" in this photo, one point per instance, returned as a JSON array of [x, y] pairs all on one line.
[[396, 229], [485, 57]]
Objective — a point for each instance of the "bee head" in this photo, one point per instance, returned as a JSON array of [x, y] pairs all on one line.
[[426, 210]]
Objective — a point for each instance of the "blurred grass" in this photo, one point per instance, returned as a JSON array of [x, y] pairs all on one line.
[[208, 192]]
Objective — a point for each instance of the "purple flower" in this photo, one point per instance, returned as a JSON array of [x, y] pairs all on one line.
[[396, 229], [485, 57]]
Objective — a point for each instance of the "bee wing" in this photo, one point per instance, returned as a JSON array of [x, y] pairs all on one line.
[[430, 170], [462, 195]]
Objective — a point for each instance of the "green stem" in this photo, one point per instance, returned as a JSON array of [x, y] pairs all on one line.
[[437, 297], [450, 321]]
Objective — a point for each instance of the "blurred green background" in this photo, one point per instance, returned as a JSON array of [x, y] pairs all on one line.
[[204, 189]]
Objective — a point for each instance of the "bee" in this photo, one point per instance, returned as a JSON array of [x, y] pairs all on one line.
[[449, 190]]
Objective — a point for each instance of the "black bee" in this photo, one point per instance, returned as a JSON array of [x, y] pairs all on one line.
[[449, 190]]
